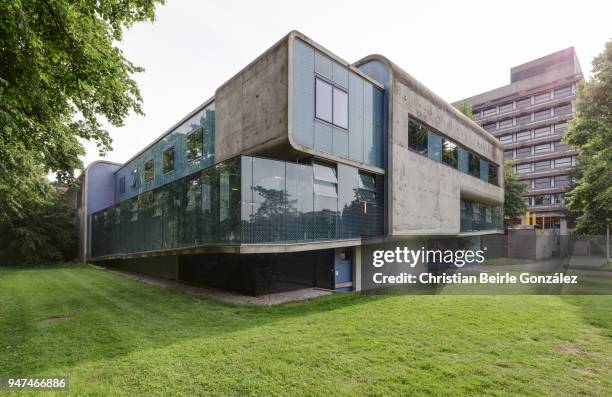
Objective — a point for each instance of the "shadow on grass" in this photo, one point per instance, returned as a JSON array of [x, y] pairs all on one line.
[[112, 315]]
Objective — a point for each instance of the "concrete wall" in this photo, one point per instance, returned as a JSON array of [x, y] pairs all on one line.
[[531, 243], [425, 194], [251, 107]]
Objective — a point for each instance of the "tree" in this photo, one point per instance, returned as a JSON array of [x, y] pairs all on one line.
[[467, 109], [41, 233], [514, 205], [590, 196], [60, 76]]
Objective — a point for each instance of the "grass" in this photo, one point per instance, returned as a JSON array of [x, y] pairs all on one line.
[[124, 337]]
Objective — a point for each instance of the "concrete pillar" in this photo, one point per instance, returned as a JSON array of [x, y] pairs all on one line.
[[357, 268], [563, 227]]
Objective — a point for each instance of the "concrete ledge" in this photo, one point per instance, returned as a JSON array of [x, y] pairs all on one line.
[[242, 249]]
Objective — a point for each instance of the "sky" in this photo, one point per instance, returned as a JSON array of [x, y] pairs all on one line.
[[456, 48]]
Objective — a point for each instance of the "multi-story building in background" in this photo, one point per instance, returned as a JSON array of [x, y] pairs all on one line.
[[529, 116]]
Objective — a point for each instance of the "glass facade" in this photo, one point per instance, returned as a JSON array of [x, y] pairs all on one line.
[[245, 200], [477, 216], [188, 148]]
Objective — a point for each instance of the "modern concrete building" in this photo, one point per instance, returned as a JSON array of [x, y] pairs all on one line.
[[529, 116], [298, 167]]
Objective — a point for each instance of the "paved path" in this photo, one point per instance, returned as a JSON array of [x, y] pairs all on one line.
[[569, 265], [228, 296]]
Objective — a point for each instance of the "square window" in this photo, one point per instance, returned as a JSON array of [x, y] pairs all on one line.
[[562, 181], [323, 105], [508, 154], [541, 132], [523, 102], [168, 158], [563, 92], [505, 108], [506, 138], [541, 98], [541, 183], [149, 171], [331, 104], [340, 108], [195, 145], [563, 162], [524, 119]]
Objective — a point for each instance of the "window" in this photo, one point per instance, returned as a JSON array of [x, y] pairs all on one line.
[[524, 119], [559, 198], [561, 147], [544, 148], [149, 171], [340, 108], [523, 136], [561, 127], [195, 145], [490, 111], [490, 127], [122, 185], [541, 98], [523, 168], [542, 165], [563, 162], [325, 180], [564, 109], [509, 154], [331, 104], [523, 152], [417, 137], [473, 165], [562, 181], [542, 199], [493, 173], [367, 188], [563, 92], [449, 153], [506, 123], [323, 94], [506, 138], [541, 132], [541, 115], [523, 103], [541, 183], [434, 146], [505, 108], [168, 159], [135, 179]]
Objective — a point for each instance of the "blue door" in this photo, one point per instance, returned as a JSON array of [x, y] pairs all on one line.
[[343, 268]]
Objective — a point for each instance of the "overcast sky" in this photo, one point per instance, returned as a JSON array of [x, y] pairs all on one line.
[[456, 48]]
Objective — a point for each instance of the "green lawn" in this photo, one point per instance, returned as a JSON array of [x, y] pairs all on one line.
[[124, 337]]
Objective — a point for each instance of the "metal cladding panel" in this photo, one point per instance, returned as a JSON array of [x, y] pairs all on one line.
[[362, 141], [202, 122]]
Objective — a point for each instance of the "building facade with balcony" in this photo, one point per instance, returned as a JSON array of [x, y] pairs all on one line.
[[529, 116], [298, 167]]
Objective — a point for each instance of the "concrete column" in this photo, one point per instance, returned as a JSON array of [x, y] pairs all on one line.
[[357, 268], [563, 227]]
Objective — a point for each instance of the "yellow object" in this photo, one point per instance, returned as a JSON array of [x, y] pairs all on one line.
[[527, 218], [365, 207], [533, 219]]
